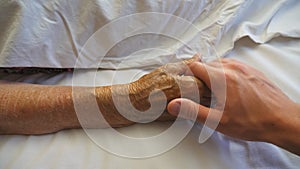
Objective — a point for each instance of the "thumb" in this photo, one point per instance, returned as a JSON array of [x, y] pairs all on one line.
[[188, 109]]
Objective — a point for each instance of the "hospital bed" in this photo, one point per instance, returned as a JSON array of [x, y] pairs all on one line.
[[131, 38]]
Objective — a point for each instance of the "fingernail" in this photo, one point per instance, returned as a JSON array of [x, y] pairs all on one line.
[[175, 109]]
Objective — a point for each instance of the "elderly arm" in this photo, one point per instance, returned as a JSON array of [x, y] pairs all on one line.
[[40, 109]]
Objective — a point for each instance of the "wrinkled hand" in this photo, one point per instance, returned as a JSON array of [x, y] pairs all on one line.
[[170, 80], [255, 109]]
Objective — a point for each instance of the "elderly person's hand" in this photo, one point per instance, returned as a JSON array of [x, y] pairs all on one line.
[[255, 109], [152, 91]]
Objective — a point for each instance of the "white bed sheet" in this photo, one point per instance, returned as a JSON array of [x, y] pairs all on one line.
[[53, 33], [278, 59], [272, 46]]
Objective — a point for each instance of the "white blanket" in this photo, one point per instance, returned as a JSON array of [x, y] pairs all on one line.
[[272, 46], [53, 33]]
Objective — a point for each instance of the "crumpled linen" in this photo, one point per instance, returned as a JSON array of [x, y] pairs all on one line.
[[53, 33], [278, 59], [264, 34]]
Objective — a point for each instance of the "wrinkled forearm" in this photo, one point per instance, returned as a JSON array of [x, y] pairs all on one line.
[[35, 109], [40, 109]]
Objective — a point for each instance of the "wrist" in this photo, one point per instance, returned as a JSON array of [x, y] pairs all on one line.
[[107, 105], [287, 135], [151, 93]]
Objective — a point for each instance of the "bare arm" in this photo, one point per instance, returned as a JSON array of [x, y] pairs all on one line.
[[40, 109], [35, 109]]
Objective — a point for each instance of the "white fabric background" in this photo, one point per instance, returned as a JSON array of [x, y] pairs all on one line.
[[278, 59], [52, 33], [271, 43]]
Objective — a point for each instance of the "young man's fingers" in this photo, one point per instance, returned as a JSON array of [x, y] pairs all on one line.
[[188, 109], [201, 71]]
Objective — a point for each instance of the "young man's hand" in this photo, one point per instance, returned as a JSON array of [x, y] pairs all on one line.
[[254, 108]]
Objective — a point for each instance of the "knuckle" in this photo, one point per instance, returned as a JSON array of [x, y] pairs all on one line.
[[194, 65], [191, 112], [228, 75]]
